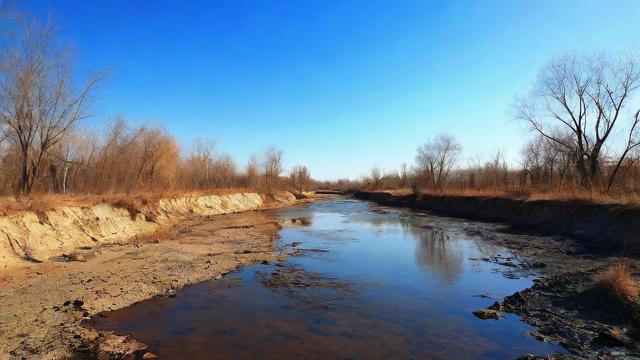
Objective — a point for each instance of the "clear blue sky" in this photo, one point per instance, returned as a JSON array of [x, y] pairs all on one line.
[[337, 85]]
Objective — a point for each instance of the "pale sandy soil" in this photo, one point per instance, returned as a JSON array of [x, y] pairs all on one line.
[[42, 306]]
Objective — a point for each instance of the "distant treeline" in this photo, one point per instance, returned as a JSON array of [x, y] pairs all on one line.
[[583, 112], [44, 149]]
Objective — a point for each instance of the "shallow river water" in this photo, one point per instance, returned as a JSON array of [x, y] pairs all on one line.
[[364, 282]]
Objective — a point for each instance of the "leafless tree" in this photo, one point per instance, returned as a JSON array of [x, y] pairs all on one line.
[[199, 164], [272, 168], [576, 103], [252, 172], [375, 178], [404, 175], [436, 158], [224, 171], [300, 178], [632, 143], [38, 101]]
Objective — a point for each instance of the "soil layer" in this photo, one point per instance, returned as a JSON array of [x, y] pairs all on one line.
[[43, 305]]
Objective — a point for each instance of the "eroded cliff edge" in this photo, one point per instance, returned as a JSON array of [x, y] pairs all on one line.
[[38, 236], [117, 264]]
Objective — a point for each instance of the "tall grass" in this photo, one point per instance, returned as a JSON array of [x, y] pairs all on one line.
[[616, 281]]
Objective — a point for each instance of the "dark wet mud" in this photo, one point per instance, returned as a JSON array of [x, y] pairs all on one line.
[[360, 281]]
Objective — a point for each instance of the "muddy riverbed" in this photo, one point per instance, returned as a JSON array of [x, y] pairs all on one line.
[[359, 281]]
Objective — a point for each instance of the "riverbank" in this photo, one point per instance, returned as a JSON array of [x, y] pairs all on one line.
[[580, 242], [603, 229], [86, 261], [35, 236], [359, 281]]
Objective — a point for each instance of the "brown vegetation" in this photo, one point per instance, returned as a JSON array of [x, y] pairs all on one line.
[[616, 280], [584, 114], [46, 150]]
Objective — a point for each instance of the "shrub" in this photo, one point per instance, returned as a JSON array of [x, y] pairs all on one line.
[[616, 280]]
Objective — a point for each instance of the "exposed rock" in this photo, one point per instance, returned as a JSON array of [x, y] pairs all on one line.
[[485, 314], [121, 348], [613, 337], [556, 356]]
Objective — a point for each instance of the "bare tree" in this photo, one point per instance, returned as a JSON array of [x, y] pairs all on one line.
[[251, 172], [577, 102], [436, 158], [38, 101], [199, 164], [375, 178], [300, 178], [404, 176], [224, 171], [632, 142], [272, 168]]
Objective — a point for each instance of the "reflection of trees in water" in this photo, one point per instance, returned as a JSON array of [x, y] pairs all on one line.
[[435, 251]]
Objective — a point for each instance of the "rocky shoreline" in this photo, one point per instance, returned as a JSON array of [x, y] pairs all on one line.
[[563, 304]]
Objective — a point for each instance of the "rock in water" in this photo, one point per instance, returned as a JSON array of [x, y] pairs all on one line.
[[485, 314]]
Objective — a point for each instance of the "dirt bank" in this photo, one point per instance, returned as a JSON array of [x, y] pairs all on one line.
[[43, 304], [38, 236], [563, 304], [605, 229]]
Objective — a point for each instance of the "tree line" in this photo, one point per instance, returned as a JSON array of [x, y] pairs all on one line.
[[45, 146], [583, 113]]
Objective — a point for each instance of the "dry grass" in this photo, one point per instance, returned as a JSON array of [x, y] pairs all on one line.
[[133, 202], [568, 194], [616, 280], [132, 205]]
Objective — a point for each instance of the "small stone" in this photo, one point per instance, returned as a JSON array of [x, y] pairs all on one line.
[[149, 355], [485, 314]]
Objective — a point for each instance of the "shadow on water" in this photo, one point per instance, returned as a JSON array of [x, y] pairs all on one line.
[[362, 282]]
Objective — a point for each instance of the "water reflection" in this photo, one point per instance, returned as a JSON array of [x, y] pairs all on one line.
[[387, 284], [436, 252], [435, 249]]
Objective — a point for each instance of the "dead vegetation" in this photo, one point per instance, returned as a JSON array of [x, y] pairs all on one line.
[[585, 119], [133, 201], [46, 150], [616, 281], [584, 114]]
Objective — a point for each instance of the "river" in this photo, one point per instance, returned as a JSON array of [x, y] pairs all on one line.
[[361, 282]]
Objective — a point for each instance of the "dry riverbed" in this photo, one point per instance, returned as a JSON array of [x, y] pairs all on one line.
[[43, 305]]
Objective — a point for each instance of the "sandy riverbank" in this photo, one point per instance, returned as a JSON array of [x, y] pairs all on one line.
[[43, 304]]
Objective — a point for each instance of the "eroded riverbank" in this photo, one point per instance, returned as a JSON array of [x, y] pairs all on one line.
[[44, 304], [359, 281], [345, 278]]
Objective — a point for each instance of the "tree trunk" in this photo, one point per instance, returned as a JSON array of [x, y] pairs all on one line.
[[65, 170]]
